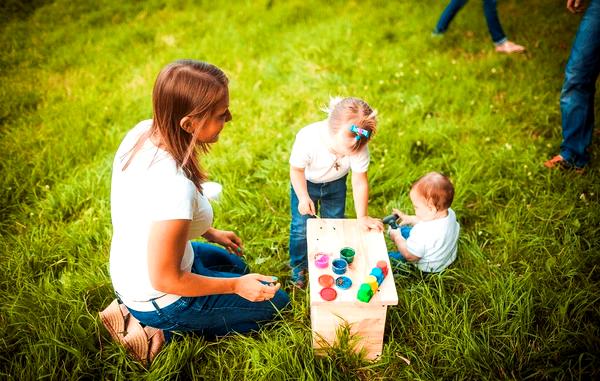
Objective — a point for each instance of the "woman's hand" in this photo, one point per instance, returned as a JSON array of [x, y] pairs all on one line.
[[306, 206], [369, 223], [228, 239], [256, 287]]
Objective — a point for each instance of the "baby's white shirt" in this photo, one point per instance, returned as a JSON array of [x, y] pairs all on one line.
[[435, 242]]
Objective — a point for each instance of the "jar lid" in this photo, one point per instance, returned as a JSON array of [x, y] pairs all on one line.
[[326, 280], [343, 282], [328, 294]]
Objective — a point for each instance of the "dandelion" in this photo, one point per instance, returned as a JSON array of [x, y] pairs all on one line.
[[493, 70]]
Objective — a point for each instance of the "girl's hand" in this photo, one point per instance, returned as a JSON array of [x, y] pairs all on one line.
[[369, 223], [256, 287], [404, 218], [228, 239], [306, 206]]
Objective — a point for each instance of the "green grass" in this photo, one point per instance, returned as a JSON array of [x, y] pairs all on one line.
[[521, 301]]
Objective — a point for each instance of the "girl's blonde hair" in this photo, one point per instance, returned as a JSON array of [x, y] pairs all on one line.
[[184, 88], [341, 111]]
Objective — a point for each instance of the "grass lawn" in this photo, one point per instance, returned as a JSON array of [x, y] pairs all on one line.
[[522, 299]]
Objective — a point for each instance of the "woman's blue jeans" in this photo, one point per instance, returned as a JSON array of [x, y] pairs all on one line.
[[330, 199], [214, 315], [579, 87], [489, 10]]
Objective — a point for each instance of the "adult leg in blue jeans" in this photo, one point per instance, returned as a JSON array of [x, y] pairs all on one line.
[[579, 88], [214, 315], [493, 23], [216, 258]]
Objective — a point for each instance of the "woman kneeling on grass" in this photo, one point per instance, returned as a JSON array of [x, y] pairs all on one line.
[[157, 205]]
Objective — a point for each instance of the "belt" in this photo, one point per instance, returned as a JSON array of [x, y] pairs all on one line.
[[147, 305]]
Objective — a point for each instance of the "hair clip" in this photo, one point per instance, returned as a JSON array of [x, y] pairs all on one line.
[[360, 132]]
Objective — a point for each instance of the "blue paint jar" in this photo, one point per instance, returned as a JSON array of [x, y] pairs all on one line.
[[339, 266]]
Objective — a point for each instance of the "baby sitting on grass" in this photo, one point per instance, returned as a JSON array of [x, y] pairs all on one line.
[[430, 243]]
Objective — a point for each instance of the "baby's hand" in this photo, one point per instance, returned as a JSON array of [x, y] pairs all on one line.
[[404, 218], [369, 223], [394, 234], [306, 206]]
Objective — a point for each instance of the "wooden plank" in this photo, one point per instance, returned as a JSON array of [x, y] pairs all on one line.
[[366, 325], [330, 236]]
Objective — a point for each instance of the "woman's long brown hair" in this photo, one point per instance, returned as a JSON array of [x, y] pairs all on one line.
[[184, 88]]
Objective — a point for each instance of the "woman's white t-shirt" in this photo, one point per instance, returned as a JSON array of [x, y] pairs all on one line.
[[151, 189], [310, 152]]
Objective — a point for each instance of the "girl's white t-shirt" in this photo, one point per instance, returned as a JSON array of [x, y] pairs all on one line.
[[151, 189], [435, 242], [310, 151]]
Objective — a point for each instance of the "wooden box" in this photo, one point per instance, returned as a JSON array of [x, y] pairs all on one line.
[[367, 320]]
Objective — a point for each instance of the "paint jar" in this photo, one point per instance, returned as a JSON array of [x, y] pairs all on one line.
[[328, 294], [364, 293], [343, 282], [339, 266], [347, 253], [384, 267], [326, 280], [377, 273], [321, 260], [372, 282]]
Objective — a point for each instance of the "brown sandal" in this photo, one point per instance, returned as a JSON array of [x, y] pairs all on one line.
[[144, 343]]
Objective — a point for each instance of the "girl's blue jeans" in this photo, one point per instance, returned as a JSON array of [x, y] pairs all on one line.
[[491, 16], [330, 200], [579, 88], [213, 315]]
